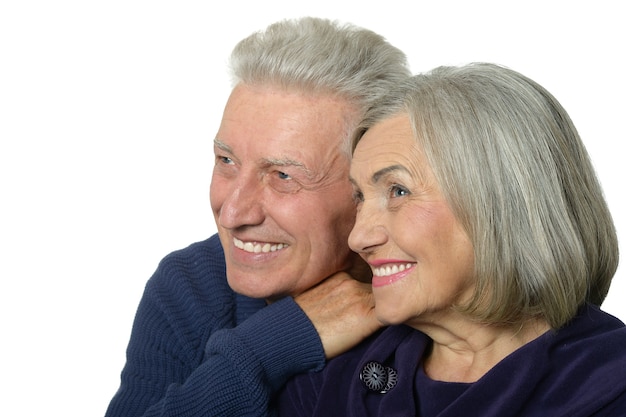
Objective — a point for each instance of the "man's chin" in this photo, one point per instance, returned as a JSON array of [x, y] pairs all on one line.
[[252, 287]]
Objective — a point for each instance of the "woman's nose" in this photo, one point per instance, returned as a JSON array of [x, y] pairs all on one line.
[[369, 230]]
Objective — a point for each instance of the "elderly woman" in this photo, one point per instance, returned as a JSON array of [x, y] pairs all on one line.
[[491, 247]]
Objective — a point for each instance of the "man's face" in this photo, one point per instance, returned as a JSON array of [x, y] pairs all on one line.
[[280, 192]]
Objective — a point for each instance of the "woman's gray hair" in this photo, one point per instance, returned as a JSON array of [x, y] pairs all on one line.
[[519, 179], [315, 55]]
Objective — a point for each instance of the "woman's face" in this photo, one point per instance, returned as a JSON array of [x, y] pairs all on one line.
[[421, 257]]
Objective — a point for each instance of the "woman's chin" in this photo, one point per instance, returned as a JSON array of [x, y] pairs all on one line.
[[388, 318]]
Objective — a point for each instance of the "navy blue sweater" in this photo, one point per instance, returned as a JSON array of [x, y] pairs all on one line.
[[199, 349]]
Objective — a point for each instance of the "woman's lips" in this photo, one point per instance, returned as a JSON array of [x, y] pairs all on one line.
[[386, 272]]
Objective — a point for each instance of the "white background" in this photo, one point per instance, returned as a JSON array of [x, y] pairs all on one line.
[[107, 114]]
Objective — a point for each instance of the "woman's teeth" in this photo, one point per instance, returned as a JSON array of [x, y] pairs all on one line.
[[391, 269]]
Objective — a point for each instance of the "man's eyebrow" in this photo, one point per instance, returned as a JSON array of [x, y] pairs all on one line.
[[221, 145], [288, 162], [385, 171], [284, 162], [279, 162]]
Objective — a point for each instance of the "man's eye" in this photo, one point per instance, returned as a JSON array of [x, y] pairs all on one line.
[[223, 160], [283, 182]]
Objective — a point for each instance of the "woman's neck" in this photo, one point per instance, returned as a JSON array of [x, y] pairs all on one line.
[[464, 351]]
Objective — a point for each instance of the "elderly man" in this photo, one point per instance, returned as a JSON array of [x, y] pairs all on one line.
[[225, 322]]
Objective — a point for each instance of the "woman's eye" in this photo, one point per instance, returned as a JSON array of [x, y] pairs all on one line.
[[398, 191]]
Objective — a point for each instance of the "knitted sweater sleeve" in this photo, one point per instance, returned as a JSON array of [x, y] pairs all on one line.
[[186, 357]]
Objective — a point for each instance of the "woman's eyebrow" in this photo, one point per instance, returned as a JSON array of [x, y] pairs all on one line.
[[386, 171]]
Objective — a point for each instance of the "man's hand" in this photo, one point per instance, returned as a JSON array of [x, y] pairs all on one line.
[[342, 311]]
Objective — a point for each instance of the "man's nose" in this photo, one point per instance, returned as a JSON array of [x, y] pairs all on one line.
[[244, 205]]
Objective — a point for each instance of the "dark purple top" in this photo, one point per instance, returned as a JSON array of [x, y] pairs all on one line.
[[577, 371]]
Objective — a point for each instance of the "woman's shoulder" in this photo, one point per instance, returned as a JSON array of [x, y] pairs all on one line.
[[580, 367]]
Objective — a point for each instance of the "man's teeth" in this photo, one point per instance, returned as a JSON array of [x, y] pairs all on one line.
[[259, 247], [390, 270]]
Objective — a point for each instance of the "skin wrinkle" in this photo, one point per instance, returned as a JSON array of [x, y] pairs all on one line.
[[273, 159], [418, 226], [266, 161]]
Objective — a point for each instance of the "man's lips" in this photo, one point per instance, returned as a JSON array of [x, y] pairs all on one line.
[[258, 247]]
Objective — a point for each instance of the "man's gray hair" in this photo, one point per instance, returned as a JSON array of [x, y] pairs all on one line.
[[320, 56]]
